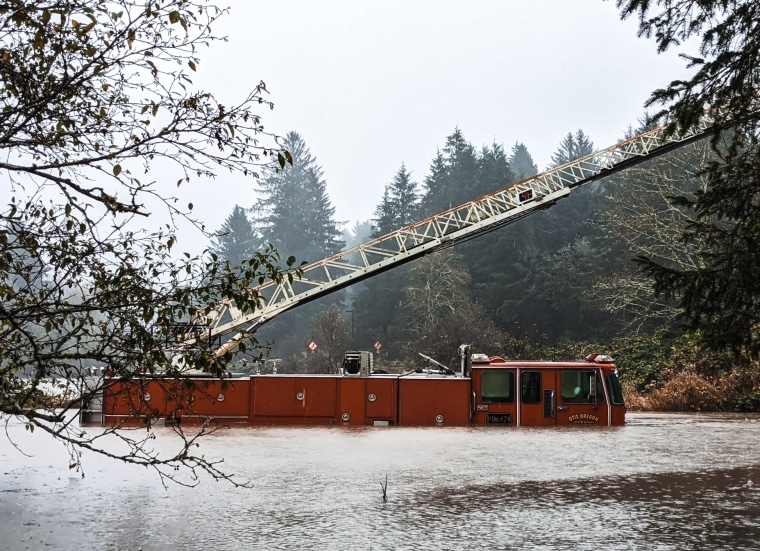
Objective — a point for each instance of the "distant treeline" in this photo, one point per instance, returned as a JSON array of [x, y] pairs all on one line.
[[564, 275]]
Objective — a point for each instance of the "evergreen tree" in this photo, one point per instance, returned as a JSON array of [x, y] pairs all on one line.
[[482, 255], [573, 146], [384, 220], [405, 194], [463, 183], [502, 276], [571, 216], [377, 307], [434, 196], [359, 233], [236, 240], [376, 304], [525, 284], [494, 169], [297, 217], [453, 177], [521, 162], [721, 296], [400, 204], [458, 174]]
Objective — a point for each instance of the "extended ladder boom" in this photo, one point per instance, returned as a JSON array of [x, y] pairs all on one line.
[[442, 230]]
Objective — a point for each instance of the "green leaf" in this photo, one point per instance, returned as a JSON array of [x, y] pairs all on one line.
[[174, 16], [117, 170], [191, 64]]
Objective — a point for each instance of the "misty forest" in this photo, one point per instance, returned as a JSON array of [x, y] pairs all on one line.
[[559, 284]]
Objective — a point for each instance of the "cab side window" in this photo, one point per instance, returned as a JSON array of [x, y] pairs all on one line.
[[581, 387], [497, 387], [530, 387]]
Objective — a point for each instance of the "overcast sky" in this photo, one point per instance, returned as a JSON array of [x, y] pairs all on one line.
[[370, 85]]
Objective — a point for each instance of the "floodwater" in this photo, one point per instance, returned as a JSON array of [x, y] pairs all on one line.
[[661, 482]]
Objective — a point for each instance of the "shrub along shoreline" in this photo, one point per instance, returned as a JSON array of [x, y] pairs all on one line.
[[676, 374]]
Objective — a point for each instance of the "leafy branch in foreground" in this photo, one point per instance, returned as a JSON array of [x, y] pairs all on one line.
[[95, 97], [719, 297]]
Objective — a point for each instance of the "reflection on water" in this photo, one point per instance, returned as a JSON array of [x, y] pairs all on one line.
[[660, 482]]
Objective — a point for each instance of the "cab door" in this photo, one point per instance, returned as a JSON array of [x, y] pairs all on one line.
[[495, 396], [581, 399], [537, 397]]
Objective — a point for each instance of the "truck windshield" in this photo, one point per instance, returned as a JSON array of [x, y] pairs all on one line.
[[616, 391]]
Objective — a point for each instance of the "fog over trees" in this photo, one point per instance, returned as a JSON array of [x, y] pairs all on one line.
[[561, 275]]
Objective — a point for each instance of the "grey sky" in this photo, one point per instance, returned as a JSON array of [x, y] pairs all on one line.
[[370, 85]]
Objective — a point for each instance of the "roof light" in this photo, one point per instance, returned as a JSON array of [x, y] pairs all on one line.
[[599, 358], [480, 359]]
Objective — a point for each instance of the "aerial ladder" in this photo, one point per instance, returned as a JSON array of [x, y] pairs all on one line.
[[437, 232]]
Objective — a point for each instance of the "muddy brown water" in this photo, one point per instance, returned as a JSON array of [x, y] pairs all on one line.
[[660, 482]]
